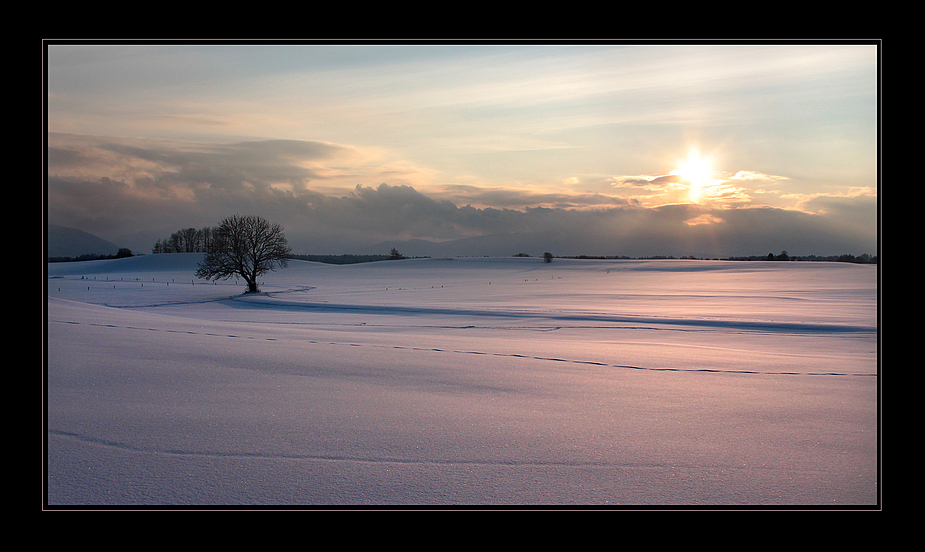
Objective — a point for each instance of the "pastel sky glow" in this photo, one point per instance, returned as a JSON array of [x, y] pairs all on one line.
[[636, 149]]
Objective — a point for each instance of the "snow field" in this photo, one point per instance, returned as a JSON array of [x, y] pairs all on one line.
[[463, 382]]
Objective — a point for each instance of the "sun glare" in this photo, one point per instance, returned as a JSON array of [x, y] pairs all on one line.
[[696, 172]]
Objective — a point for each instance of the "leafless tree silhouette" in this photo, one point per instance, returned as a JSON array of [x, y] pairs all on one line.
[[245, 246]]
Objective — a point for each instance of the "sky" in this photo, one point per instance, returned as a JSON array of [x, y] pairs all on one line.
[[638, 149]]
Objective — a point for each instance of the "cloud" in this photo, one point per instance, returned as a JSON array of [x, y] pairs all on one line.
[[521, 199], [721, 189], [258, 163], [705, 218], [645, 182], [857, 210], [143, 191], [753, 175]]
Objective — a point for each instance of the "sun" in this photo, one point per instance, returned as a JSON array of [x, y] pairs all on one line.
[[696, 171]]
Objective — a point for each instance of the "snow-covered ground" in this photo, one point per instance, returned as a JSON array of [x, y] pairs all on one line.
[[467, 381]]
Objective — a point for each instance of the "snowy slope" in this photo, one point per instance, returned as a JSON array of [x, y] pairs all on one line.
[[485, 381]]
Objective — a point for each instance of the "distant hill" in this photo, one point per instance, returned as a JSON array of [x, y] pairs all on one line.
[[71, 242]]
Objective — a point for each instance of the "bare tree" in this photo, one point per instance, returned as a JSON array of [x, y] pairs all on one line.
[[206, 241], [190, 239], [174, 243], [245, 246]]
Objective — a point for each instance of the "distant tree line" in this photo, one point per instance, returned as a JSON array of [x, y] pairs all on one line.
[[863, 259], [123, 253], [783, 256], [187, 240]]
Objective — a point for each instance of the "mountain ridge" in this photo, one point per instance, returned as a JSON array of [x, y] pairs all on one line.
[[63, 241]]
